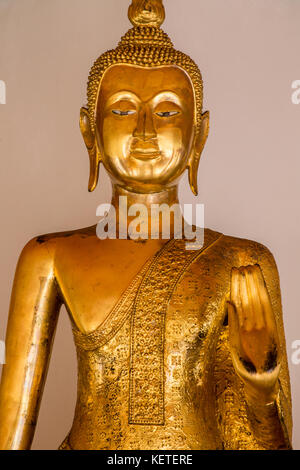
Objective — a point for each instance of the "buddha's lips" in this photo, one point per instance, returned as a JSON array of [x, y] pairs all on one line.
[[145, 150]]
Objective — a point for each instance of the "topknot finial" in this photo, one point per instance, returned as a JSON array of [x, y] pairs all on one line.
[[147, 13]]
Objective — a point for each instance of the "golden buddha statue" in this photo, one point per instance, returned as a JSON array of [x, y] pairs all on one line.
[[177, 349]]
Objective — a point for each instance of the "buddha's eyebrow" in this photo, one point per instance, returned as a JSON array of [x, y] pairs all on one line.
[[122, 95], [167, 96]]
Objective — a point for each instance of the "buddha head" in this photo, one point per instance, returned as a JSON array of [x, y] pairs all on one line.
[[144, 118]]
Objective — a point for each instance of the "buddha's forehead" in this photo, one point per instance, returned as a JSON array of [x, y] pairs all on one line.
[[146, 82]]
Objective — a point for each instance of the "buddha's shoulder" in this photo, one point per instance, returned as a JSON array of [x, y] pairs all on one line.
[[46, 245], [242, 251]]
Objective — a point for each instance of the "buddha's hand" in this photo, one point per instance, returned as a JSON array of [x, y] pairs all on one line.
[[253, 335]]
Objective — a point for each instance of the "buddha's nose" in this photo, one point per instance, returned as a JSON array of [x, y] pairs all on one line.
[[145, 129]]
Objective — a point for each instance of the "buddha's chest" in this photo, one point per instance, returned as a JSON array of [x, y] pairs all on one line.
[[93, 275], [161, 340]]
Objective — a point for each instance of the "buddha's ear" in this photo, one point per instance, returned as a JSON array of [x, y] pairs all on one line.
[[200, 138], [91, 145]]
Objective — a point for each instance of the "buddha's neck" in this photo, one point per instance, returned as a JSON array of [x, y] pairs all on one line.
[[169, 196], [123, 199]]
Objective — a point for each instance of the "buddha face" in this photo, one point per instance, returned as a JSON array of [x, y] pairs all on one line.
[[145, 125]]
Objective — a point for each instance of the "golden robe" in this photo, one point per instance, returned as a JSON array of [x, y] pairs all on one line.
[[157, 373]]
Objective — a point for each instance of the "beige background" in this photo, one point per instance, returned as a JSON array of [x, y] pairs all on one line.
[[248, 51]]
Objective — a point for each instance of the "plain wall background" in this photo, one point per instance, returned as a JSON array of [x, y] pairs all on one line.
[[248, 51]]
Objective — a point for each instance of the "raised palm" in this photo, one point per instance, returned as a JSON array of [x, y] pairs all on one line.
[[253, 334]]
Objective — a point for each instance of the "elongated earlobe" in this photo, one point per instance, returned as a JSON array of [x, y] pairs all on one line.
[[94, 169], [198, 146], [91, 145]]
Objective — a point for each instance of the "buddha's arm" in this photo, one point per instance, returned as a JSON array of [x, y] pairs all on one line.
[[31, 325], [254, 406]]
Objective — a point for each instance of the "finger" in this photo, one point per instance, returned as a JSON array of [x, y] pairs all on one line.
[[263, 293], [247, 312], [233, 324], [254, 298], [234, 285], [235, 294], [269, 314]]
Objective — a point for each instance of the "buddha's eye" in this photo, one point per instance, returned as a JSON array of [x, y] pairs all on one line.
[[166, 114], [123, 113]]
